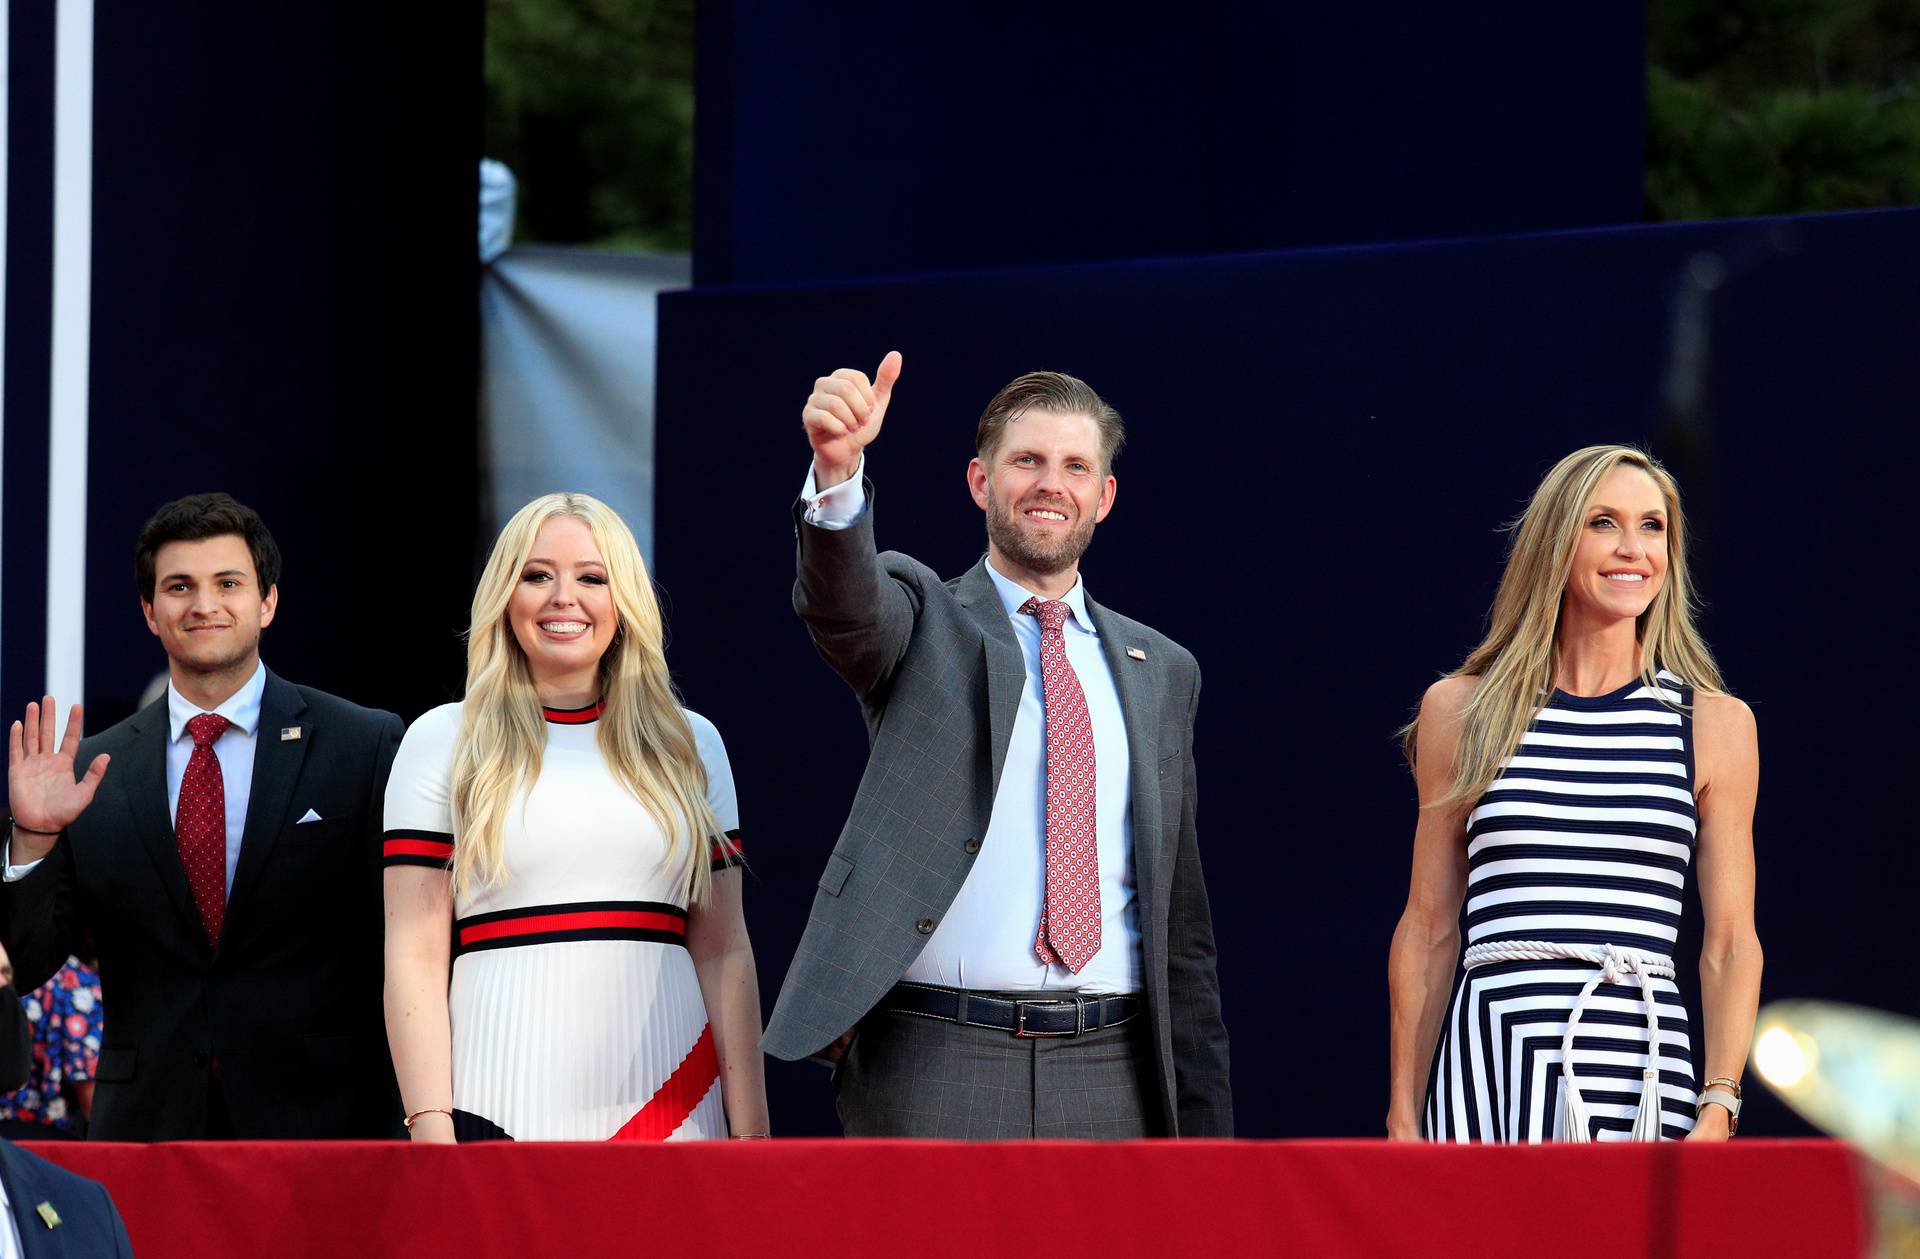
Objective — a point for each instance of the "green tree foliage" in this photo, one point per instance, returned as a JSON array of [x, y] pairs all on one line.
[[1781, 106], [590, 102]]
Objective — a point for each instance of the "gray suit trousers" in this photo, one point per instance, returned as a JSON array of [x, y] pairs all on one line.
[[907, 1076]]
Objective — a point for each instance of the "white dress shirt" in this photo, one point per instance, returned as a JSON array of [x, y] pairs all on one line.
[[838, 506], [986, 940], [233, 749], [10, 1234]]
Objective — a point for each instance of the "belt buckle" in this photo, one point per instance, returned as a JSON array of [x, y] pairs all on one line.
[[1020, 1019]]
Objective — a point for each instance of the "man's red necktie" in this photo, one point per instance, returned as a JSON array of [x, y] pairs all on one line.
[[200, 824], [1070, 922]]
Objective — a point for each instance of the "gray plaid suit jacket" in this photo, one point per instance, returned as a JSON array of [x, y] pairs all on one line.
[[939, 674]]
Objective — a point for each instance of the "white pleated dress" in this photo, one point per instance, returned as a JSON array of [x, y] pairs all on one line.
[[576, 1012]]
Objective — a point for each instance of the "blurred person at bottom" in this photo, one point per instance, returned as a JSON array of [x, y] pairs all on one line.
[[1569, 772], [566, 954], [64, 1018], [63, 1214]]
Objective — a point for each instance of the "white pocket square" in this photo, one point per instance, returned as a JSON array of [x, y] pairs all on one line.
[[308, 816]]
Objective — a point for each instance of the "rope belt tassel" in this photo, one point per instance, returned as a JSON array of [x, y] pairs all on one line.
[[1616, 966]]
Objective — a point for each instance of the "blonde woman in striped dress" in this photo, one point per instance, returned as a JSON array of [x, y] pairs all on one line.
[[1571, 772]]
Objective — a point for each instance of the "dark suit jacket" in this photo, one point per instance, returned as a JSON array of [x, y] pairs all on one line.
[[939, 675], [289, 1004], [89, 1227]]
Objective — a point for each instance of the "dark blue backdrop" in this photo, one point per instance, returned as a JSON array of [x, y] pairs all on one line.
[[29, 289], [285, 308], [1323, 447], [842, 139]]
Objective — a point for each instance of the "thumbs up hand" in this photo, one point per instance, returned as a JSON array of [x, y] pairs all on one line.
[[843, 414]]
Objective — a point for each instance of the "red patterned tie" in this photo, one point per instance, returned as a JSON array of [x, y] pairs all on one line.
[[1070, 922], [200, 824]]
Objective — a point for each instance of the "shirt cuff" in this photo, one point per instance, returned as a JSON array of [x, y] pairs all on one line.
[[839, 506], [14, 873]]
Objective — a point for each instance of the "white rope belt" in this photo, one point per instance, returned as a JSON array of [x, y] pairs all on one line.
[[1616, 966]]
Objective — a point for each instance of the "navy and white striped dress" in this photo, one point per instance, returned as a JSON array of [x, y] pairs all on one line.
[[1583, 840]]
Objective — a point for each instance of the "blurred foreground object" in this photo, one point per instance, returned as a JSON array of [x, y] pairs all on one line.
[[1852, 1071], [1855, 1073]]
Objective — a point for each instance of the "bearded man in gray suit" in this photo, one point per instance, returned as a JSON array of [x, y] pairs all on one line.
[[1012, 936]]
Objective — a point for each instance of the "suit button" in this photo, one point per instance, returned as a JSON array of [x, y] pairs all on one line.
[[200, 1057], [924, 926], [972, 845]]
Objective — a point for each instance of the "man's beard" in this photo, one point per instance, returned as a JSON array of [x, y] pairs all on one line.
[[1046, 553]]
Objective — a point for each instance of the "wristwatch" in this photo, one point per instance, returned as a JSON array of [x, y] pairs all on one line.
[[1724, 1092]]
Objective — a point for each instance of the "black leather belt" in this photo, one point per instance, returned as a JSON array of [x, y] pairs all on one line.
[[1042, 1014]]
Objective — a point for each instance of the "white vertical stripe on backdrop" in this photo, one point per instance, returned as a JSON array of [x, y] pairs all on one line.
[[72, 320]]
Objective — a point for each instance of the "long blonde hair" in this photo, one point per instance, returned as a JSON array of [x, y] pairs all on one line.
[[643, 732], [1517, 660]]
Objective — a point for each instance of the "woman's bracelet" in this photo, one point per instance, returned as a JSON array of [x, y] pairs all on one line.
[[753, 1136], [431, 1110]]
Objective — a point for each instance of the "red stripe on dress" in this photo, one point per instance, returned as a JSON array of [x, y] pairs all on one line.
[[581, 920], [418, 848], [669, 1107], [573, 716]]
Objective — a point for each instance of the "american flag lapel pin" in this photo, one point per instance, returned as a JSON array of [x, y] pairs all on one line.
[[289, 733], [1136, 653]]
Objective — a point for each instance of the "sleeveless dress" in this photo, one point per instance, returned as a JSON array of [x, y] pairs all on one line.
[[1577, 859], [576, 1012]]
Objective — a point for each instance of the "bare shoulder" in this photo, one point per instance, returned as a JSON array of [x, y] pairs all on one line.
[[1436, 736], [1448, 698], [1726, 749], [1437, 729], [1723, 722]]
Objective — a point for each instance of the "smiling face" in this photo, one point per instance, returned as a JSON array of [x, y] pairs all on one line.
[[207, 608], [1043, 488], [561, 610], [1620, 562]]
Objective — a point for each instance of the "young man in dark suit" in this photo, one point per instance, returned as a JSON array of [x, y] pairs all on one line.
[[49, 1212], [1014, 917], [222, 846]]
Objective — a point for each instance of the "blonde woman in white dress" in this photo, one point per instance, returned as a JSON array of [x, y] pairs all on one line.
[[566, 956]]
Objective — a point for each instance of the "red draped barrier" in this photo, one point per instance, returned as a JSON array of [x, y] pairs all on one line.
[[1327, 1199]]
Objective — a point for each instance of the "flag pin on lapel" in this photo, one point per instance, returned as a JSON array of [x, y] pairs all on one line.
[[1136, 653], [289, 733], [48, 1216]]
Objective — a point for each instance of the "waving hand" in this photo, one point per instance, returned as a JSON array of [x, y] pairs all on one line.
[[42, 792]]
